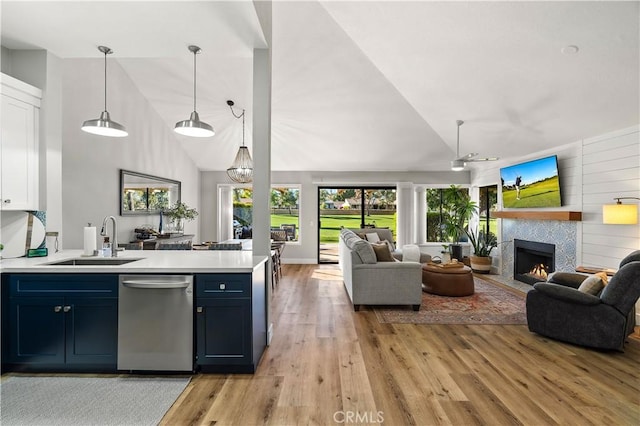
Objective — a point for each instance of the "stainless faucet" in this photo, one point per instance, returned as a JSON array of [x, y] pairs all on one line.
[[114, 240]]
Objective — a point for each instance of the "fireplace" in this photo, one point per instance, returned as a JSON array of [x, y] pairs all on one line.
[[532, 261]]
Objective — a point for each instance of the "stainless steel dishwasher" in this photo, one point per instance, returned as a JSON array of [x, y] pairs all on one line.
[[155, 322]]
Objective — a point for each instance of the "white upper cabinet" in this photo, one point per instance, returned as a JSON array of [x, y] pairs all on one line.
[[19, 160]]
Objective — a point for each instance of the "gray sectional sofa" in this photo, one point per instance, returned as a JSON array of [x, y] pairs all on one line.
[[369, 282]]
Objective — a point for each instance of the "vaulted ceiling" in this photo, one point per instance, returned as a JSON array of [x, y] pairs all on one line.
[[366, 86]]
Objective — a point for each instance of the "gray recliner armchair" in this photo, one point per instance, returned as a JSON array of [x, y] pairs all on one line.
[[560, 311]]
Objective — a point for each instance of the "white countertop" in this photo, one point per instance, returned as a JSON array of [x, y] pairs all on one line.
[[151, 262]]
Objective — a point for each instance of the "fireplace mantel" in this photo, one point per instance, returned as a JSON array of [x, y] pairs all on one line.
[[538, 215]]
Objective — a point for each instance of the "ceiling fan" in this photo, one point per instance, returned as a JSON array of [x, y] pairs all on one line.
[[460, 162]]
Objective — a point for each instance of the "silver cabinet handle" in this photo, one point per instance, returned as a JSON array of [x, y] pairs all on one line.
[[199, 309], [223, 286], [57, 309], [67, 308]]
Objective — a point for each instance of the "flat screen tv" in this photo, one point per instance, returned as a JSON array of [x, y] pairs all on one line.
[[532, 184]]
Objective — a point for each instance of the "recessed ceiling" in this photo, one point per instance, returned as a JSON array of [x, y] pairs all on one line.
[[367, 86]]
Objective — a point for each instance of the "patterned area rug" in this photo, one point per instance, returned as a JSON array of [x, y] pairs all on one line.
[[490, 304]]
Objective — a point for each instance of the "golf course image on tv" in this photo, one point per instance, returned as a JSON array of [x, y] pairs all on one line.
[[532, 184]]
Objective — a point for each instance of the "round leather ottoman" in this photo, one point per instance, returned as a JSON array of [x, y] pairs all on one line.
[[447, 281]]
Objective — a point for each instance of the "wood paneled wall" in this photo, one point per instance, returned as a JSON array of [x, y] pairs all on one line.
[[610, 168]]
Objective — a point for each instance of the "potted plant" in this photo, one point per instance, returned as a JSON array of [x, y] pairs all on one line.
[[180, 212], [458, 208], [483, 243]]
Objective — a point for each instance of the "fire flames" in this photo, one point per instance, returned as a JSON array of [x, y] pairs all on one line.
[[539, 271]]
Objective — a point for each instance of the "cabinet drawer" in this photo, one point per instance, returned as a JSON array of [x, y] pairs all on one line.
[[38, 285], [223, 285]]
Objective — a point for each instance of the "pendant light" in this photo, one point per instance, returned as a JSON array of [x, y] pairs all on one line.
[[103, 126], [193, 126], [241, 171]]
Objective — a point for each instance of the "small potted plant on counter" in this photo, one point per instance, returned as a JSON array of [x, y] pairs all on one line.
[[483, 243], [178, 213]]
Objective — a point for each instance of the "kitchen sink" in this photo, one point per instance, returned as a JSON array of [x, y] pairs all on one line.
[[101, 261]]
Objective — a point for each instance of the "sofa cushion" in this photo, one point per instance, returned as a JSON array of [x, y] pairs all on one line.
[[383, 254], [372, 237], [383, 233], [592, 284], [364, 250], [351, 240]]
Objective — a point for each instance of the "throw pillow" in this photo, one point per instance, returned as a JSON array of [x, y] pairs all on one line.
[[362, 235], [603, 276], [373, 237], [365, 251], [592, 285], [391, 246], [382, 252]]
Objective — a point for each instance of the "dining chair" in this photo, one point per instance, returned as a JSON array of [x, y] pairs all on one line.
[[174, 246]]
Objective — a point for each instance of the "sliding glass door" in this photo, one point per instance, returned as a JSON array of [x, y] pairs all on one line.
[[352, 207]]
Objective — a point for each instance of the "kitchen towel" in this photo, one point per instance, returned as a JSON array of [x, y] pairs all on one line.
[[89, 240]]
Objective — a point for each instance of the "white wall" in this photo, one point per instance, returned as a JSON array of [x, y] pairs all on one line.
[[91, 164]]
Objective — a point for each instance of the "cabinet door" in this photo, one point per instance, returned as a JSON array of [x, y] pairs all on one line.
[[36, 330], [91, 330], [19, 171], [223, 330]]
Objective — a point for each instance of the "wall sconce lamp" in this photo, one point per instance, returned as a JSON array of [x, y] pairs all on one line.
[[620, 214]]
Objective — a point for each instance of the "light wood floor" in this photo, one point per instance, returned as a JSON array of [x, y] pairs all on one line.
[[330, 365]]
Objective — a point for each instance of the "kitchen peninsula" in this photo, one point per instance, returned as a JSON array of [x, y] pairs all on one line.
[[58, 316]]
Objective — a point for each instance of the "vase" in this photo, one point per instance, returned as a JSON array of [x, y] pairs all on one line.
[[456, 251], [178, 226]]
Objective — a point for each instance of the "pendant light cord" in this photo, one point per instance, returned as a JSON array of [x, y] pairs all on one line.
[[458, 143], [230, 103], [195, 52], [105, 80]]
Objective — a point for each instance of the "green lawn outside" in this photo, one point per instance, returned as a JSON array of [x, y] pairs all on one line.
[[493, 224], [540, 194], [330, 230], [331, 224], [284, 219]]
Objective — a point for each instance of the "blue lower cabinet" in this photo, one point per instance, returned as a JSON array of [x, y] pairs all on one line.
[[91, 331], [223, 331], [60, 322], [230, 321], [36, 330]]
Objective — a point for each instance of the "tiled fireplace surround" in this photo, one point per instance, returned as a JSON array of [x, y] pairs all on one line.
[[561, 233]]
